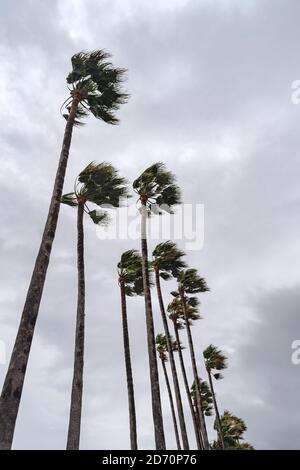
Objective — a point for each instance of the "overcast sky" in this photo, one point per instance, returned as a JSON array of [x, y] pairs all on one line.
[[210, 84]]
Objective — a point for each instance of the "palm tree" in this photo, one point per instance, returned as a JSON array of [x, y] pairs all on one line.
[[233, 429], [131, 283], [215, 360], [206, 397], [176, 316], [101, 185], [157, 192], [167, 262], [94, 86], [162, 350], [189, 282]]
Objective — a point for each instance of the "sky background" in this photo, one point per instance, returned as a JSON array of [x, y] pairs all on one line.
[[210, 84]]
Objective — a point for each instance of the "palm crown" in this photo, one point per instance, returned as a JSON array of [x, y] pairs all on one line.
[[176, 312], [97, 84], [162, 346], [190, 282], [206, 397], [157, 189], [99, 184], [167, 260], [214, 359], [130, 272], [232, 427]]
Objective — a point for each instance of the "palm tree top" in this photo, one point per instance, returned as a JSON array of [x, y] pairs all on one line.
[[214, 359], [167, 260], [162, 346], [176, 312], [130, 272], [190, 282], [157, 189], [206, 397], [97, 85], [232, 426], [99, 184]]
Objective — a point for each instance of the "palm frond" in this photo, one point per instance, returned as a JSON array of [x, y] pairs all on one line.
[[157, 189], [214, 359], [99, 84], [69, 199], [130, 270]]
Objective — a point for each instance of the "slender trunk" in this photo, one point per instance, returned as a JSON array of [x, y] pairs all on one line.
[[130, 390], [173, 365], [155, 391], [187, 389], [195, 373], [220, 432], [171, 404], [14, 380], [77, 385]]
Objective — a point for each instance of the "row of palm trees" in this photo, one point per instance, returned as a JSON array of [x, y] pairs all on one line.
[[167, 263], [95, 88]]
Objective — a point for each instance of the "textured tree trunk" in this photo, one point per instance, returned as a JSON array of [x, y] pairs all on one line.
[[130, 389], [187, 389], [195, 373], [14, 380], [173, 365], [77, 384], [171, 404], [154, 380], [220, 432]]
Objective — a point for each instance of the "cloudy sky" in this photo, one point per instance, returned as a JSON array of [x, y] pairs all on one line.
[[210, 84]]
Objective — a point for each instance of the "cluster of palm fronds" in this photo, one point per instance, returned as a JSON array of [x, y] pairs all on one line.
[[95, 87]]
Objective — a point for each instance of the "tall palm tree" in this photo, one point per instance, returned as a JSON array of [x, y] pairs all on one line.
[[233, 429], [189, 282], [131, 283], [176, 316], [100, 185], [157, 192], [94, 86], [162, 349], [167, 262], [215, 360]]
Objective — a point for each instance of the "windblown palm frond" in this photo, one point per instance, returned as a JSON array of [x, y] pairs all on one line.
[[176, 311], [98, 84], [99, 184], [215, 359], [162, 346], [157, 189], [190, 282], [206, 397], [233, 427], [130, 272], [167, 259]]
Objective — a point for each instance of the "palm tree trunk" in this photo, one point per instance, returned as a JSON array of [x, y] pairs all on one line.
[[171, 404], [220, 432], [14, 380], [77, 385], [130, 390], [195, 373], [173, 365], [154, 380], [187, 389]]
